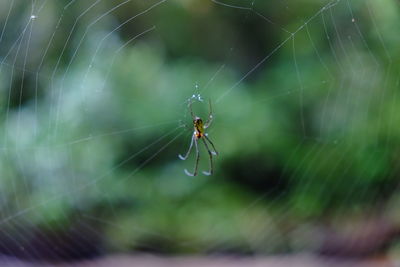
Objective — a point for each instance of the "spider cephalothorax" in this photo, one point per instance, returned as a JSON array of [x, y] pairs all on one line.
[[199, 133]]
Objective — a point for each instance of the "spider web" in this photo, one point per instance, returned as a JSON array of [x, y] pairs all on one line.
[[93, 101]]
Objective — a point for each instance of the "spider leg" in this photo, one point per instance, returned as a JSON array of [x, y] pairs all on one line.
[[197, 160], [191, 110], [211, 163], [210, 116], [188, 152], [215, 152]]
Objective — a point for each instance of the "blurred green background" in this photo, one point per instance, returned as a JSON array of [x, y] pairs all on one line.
[[93, 107]]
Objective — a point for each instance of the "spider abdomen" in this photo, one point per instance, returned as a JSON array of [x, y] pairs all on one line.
[[199, 127]]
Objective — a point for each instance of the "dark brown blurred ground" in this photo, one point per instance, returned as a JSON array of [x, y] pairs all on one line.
[[221, 261]]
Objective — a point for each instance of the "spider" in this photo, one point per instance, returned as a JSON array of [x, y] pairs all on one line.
[[200, 134]]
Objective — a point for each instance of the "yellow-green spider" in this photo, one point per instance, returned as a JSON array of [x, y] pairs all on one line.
[[199, 133]]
